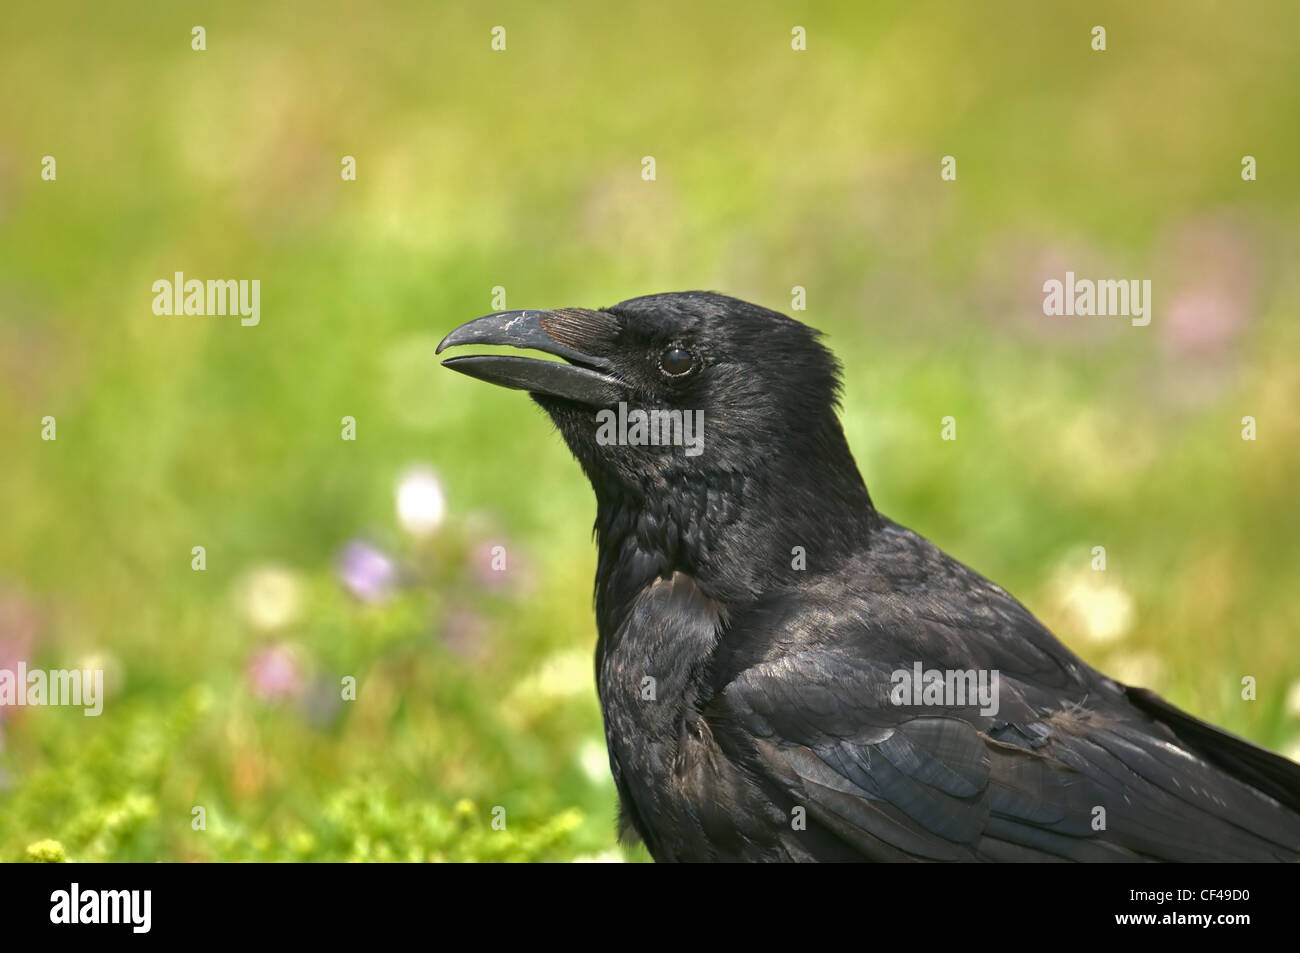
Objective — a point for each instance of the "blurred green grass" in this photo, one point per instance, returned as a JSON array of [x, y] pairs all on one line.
[[522, 169]]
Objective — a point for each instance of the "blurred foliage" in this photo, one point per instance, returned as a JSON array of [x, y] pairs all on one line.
[[522, 169]]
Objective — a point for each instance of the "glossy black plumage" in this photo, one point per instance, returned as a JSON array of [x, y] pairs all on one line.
[[747, 701]]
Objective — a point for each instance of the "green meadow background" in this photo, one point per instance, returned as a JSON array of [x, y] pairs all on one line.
[[522, 169]]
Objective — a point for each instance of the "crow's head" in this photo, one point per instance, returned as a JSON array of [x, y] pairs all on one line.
[[706, 382], [703, 422]]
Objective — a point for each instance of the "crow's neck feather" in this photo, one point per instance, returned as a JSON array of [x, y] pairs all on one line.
[[737, 531]]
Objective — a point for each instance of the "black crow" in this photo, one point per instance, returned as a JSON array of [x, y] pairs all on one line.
[[786, 674]]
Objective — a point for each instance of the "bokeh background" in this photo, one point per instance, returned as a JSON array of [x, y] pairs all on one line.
[[522, 169]]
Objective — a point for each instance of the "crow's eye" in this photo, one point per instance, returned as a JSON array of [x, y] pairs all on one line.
[[676, 362]]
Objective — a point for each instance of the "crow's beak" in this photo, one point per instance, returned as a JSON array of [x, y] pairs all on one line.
[[582, 379]]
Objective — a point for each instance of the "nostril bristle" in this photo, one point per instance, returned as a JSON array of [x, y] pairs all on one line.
[[590, 332]]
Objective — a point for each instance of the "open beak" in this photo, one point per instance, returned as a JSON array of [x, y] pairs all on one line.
[[583, 379]]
